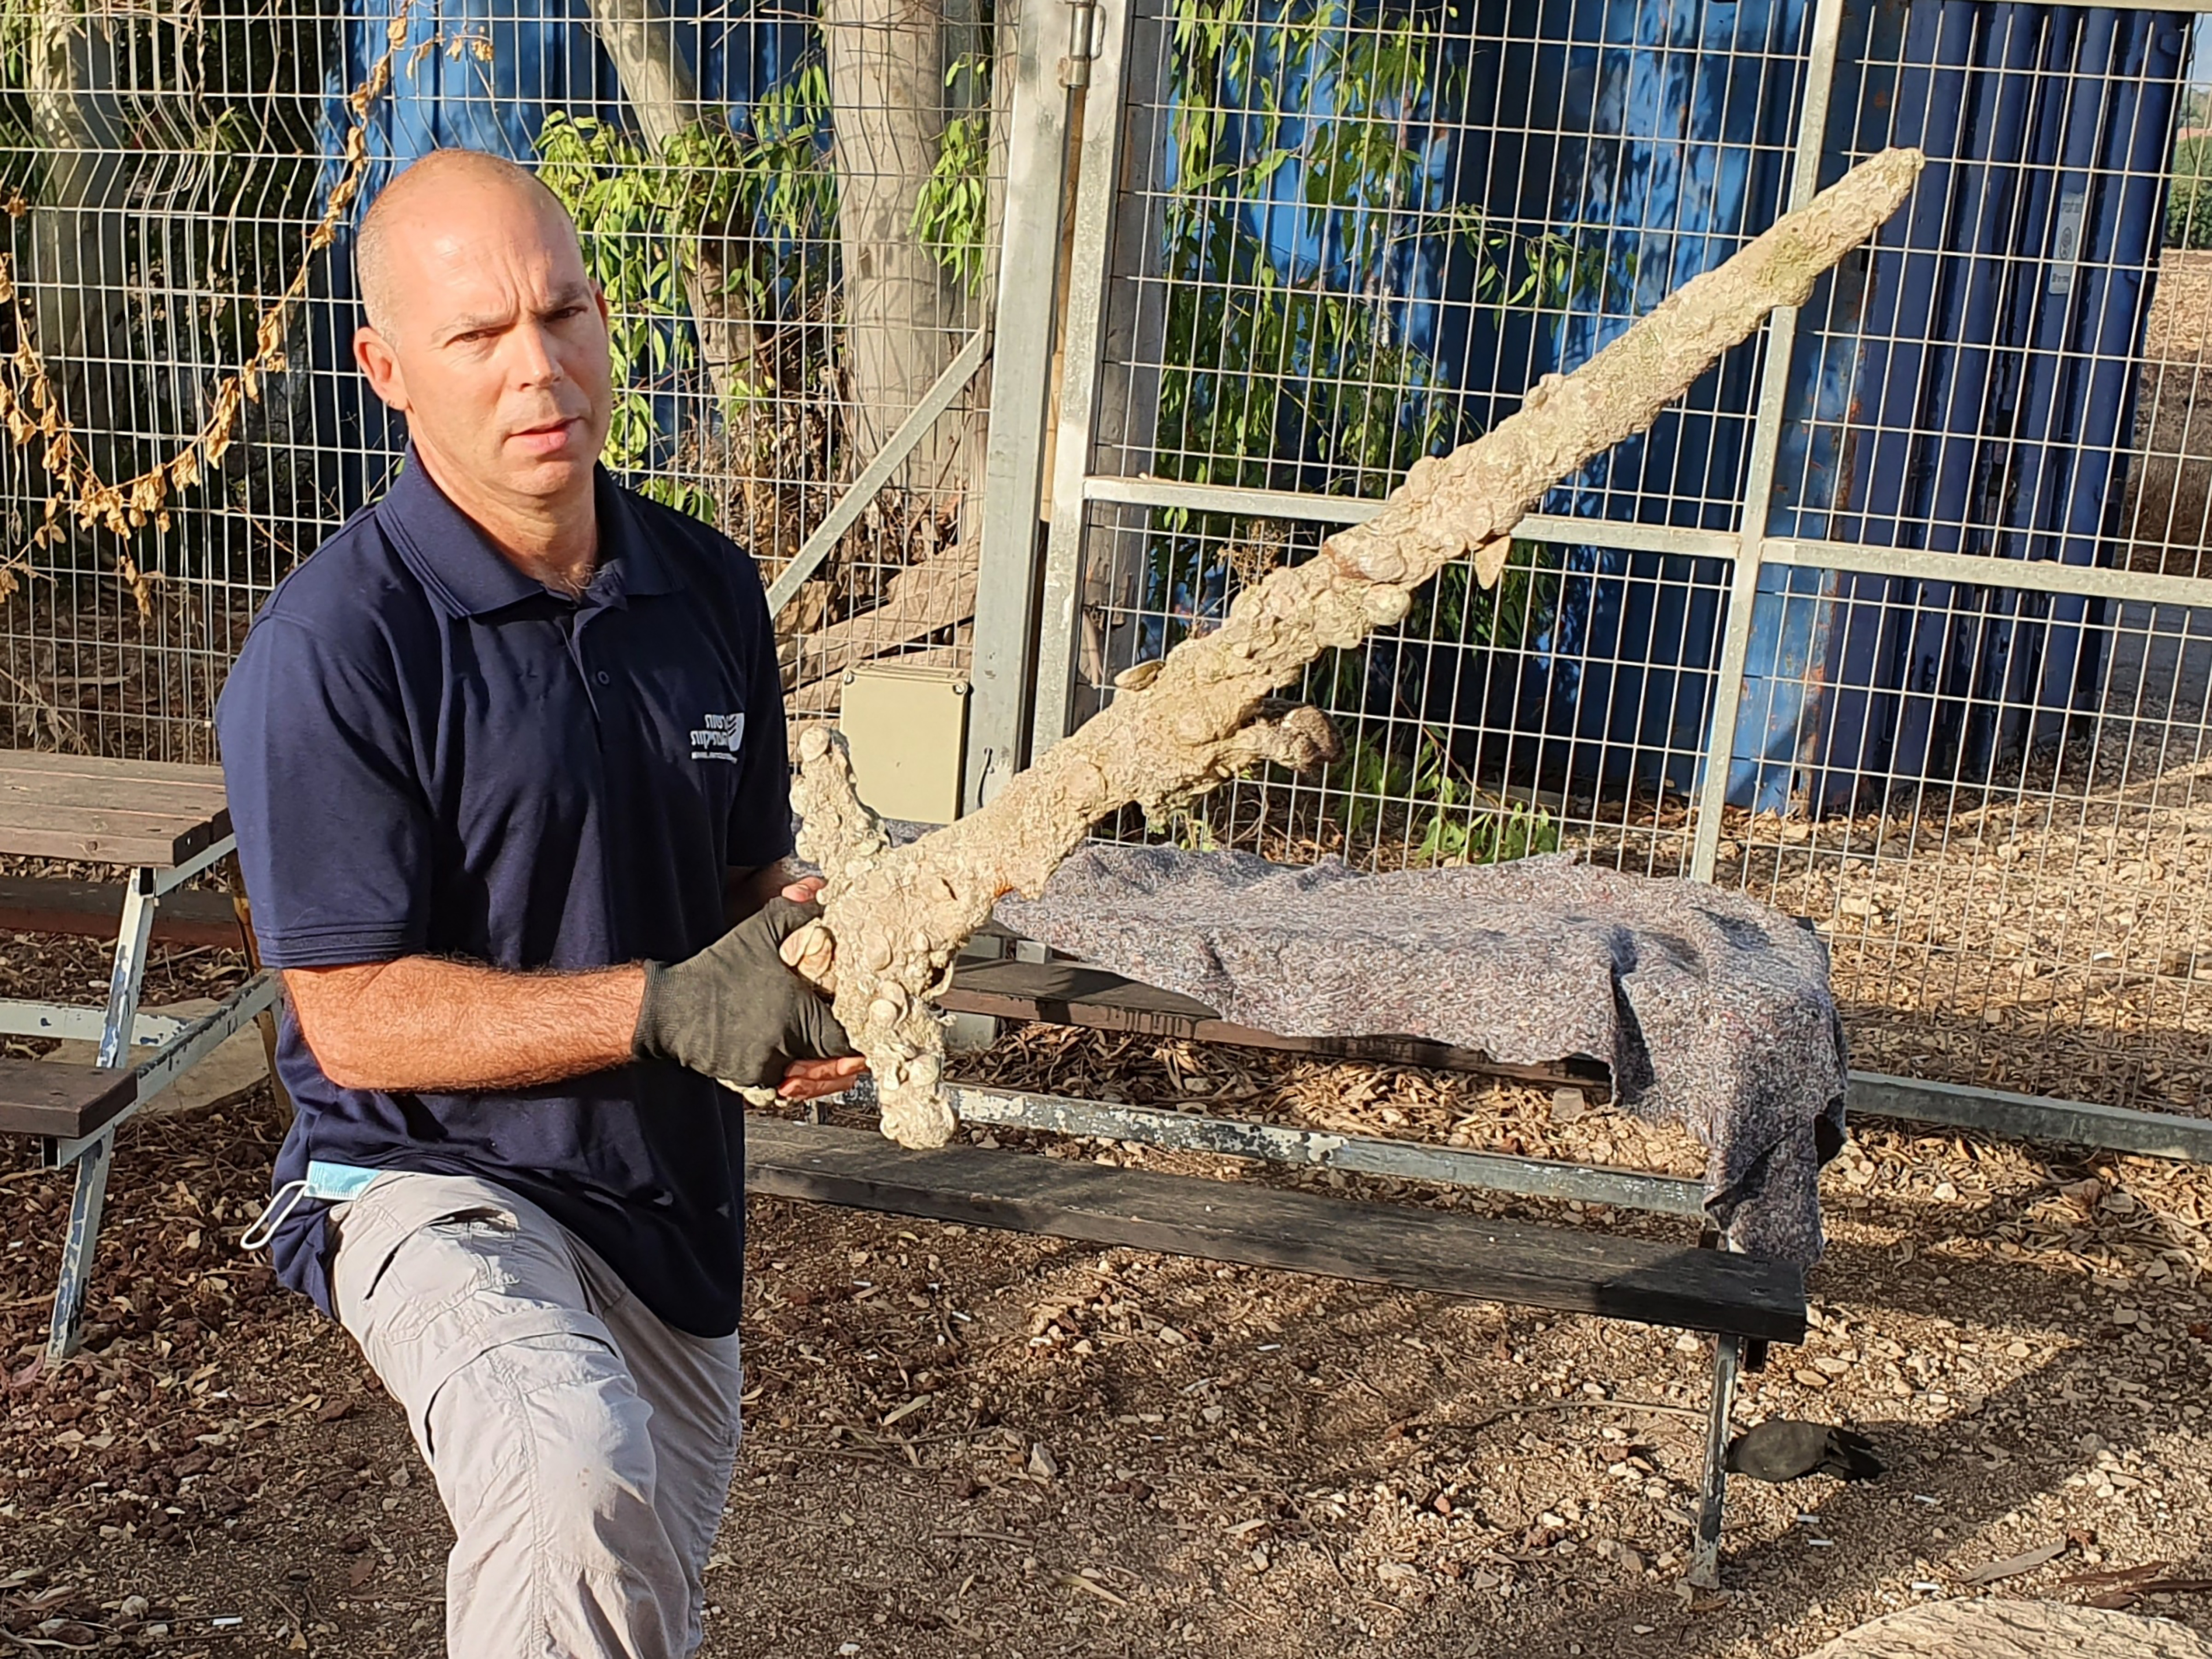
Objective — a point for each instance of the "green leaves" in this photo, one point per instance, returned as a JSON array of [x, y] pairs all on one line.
[[951, 213], [626, 208], [1425, 802], [638, 211], [783, 170], [1263, 366], [2188, 202]]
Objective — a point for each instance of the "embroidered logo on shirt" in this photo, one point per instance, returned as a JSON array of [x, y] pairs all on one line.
[[719, 738]]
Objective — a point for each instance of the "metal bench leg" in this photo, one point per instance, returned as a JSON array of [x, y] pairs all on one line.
[[1713, 1495], [124, 981], [79, 1251], [128, 976]]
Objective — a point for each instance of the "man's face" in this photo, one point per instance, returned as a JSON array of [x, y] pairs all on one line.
[[498, 350]]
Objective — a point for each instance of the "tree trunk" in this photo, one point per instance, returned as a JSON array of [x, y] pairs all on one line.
[[985, 92], [78, 274], [895, 920], [663, 92], [902, 318]]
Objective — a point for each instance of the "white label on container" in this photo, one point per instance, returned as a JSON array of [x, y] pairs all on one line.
[[2066, 239]]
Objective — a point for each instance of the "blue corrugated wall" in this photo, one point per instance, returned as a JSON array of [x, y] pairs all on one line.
[[1990, 377]]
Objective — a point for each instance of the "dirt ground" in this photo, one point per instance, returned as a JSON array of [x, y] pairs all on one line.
[[964, 1442]]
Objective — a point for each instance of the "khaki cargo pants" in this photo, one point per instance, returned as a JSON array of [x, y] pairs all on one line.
[[582, 1448]]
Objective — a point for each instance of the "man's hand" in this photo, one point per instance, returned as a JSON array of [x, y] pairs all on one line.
[[736, 1012], [806, 951], [745, 891], [810, 1079]]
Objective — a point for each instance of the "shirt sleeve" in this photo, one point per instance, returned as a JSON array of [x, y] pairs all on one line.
[[334, 834], [760, 816]]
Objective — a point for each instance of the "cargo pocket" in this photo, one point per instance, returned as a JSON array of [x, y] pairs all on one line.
[[459, 1280], [437, 1267]]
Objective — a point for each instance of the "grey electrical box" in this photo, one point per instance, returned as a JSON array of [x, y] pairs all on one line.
[[908, 732]]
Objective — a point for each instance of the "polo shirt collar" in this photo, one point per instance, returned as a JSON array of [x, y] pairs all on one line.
[[467, 576], [629, 554]]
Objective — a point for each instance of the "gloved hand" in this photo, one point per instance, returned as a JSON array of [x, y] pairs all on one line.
[[735, 1011]]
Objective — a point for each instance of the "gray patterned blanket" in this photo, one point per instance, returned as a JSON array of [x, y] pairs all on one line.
[[1712, 1011]]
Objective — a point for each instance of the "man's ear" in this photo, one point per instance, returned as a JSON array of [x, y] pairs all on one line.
[[380, 364]]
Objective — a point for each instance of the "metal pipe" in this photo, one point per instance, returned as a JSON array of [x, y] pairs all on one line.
[[1766, 445], [88, 1200], [19, 1018], [1082, 352], [1968, 569], [1021, 399], [1712, 1483], [2032, 1117], [1452, 1166], [1357, 509], [128, 974]]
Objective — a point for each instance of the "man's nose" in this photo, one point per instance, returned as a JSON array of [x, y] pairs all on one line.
[[535, 362]]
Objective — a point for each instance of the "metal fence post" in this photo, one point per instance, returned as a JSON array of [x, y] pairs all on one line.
[[1766, 444], [1098, 189], [1021, 373]]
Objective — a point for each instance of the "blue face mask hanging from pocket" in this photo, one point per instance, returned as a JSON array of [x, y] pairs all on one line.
[[333, 1183]]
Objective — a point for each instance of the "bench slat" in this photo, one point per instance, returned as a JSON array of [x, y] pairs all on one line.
[[175, 800], [1071, 993], [39, 904], [107, 837], [1440, 1250], [116, 812], [108, 769], [50, 1097]]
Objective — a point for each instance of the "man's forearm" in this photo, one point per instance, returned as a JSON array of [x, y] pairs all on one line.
[[424, 1022]]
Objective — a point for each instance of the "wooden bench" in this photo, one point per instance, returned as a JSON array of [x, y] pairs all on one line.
[[93, 909], [1744, 1303], [166, 824]]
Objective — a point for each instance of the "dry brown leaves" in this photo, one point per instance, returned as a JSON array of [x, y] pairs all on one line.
[[31, 411]]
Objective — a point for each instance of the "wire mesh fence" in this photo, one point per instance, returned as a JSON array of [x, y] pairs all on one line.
[[1354, 236], [1436, 767], [794, 216]]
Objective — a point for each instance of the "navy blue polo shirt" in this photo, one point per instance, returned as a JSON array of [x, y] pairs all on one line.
[[428, 751]]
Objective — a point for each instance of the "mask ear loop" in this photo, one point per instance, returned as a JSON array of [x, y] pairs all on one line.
[[273, 1215]]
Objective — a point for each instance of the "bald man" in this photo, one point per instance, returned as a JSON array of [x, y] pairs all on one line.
[[506, 758]]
